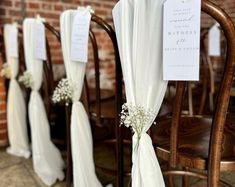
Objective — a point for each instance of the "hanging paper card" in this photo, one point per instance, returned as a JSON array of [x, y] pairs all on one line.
[[39, 41], [80, 34], [214, 41], [181, 39], [12, 48]]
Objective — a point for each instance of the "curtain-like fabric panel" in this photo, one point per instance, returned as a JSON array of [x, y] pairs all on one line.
[[16, 107], [81, 139], [47, 161], [138, 25]]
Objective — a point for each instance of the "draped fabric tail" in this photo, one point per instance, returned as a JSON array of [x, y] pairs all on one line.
[[47, 160], [16, 106], [17, 124], [81, 140], [146, 171]]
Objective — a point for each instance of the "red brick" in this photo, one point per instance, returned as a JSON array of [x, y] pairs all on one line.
[[33, 5], [18, 4], [2, 88], [2, 11], [3, 134], [2, 96], [2, 106], [6, 3], [46, 6], [16, 13], [3, 143], [49, 15], [3, 126], [58, 7], [3, 116]]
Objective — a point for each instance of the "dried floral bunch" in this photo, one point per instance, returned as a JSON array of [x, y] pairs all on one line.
[[5, 71], [26, 79], [63, 92], [135, 117]]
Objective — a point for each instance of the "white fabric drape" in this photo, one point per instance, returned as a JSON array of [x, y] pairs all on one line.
[[81, 139], [138, 27], [47, 161], [16, 106]]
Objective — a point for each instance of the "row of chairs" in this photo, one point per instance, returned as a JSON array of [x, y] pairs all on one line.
[[102, 105]]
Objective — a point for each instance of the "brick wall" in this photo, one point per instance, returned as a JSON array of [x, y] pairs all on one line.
[[10, 10], [3, 123]]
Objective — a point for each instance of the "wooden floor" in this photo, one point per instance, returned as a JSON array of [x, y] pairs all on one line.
[[18, 172]]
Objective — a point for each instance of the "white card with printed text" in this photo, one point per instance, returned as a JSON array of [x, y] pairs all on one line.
[[214, 41], [181, 39], [39, 41], [80, 36], [12, 48]]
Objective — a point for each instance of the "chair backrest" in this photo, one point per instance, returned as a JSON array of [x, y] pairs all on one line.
[[106, 28], [2, 48], [222, 101], [86, 95], [210, 73], [109, 32], [48, 75], [22, 65]]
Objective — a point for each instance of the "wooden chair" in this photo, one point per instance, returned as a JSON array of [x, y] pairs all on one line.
[[55, 112], [104, 106], [56, 119], [101, 104], [67, 108], [199, 143]]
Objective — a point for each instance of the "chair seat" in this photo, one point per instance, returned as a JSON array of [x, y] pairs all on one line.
[[104, 93], [107, 109], [165, 109], [108, 106], [194, 137]]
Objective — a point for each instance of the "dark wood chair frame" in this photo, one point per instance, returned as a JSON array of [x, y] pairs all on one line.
[[213, 165], [119, 172]]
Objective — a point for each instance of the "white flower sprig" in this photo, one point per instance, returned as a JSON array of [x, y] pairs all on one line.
[[135, 117], [63, 92], [5, 71], [26, 79]]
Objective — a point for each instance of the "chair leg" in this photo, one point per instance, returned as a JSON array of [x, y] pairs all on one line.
[[190, 99], [170, 179], [69, 154], [119, 156], [185, 181]]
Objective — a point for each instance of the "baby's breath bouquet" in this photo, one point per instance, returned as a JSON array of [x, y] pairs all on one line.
[[135, 117], [63, 92], [26, 79], [5, 71]]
